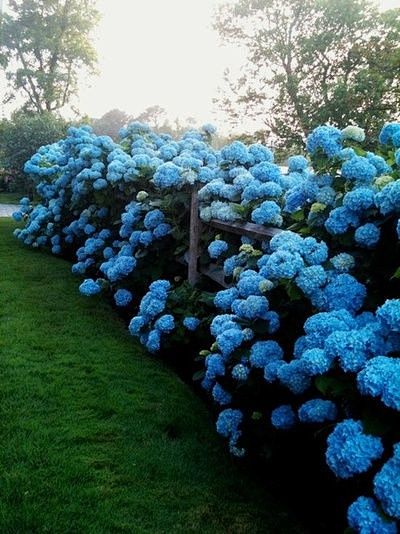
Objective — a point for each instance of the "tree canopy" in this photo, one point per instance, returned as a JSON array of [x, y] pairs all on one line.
[[111, 123], [311, 62], [44, 45], [23, 134]]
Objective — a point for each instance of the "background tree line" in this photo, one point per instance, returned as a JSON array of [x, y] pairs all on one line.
[[311, 62]]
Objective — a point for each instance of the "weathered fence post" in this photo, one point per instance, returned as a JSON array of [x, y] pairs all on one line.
[[195, 228]]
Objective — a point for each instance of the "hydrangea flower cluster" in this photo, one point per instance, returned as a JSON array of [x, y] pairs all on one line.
[[151, 322], [350, 451]]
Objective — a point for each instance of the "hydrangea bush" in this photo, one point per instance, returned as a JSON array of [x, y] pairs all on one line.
[[307, 332]]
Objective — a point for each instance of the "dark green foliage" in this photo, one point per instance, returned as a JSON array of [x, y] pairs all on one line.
[[21, 136], [44, 45], [312, 62]]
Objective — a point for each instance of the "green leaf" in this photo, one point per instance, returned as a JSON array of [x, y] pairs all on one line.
[[298, 215], [333, 386], [293, 292], [199, 375], [373, 424], [396, 273], [359, 151]]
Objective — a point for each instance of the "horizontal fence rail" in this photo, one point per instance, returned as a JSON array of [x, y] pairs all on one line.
[[213, 270]]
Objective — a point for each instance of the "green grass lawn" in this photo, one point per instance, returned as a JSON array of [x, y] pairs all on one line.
[[10, 198], [96, 436]]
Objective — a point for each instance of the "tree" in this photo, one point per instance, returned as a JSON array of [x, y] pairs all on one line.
[[312, 62], [20, 138], [154, 116], [111, 123], [44, 45]]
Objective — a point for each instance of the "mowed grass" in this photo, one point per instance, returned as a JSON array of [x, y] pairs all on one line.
[[96, 436]]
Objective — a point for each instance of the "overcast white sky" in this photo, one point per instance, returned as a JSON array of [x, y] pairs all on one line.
[[161, 52], [158, 52]]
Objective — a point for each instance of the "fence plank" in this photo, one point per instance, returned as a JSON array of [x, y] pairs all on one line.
[[215, 272], [195, 229], [256, 231]]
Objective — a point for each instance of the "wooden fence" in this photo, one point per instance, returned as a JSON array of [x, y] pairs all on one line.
[[214, 271]]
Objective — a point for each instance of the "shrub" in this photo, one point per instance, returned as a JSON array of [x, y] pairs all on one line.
[[308, 334]]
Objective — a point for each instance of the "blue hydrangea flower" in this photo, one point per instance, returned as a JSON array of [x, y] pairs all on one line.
[[153, 219], [326, 195], [286, 240], [359, 170], [249, 283], [122, 297], [89, 287], [365, 517], [215, 366], [317, 411], [254, 307], [311, 278], [298, 196], [379, 163], [389, 314], [229, 340], [264, 352], [387, 484], [165, 324], [17, 216], [297, 163], [283, 417], [316, 361], [267, 213], [266, 172], [236, 152], [314, 252], [350, 451], [261, 153], [153, 342], [294, 376], [191, 323], [240, 372], [343, 262], [388, 131], [343, 291], [220, 323], [340, 220], [136, 324], [325, 138], [160, 288], [380, 378], [367, 235], [162, 230], [151, 306], [217, 248], [167, 175], [228, 423], [360, 199], [220, 395], [284, 264], [224, 299]]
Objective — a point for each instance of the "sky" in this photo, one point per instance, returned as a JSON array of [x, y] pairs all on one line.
[[161, 52], [158, 52]]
